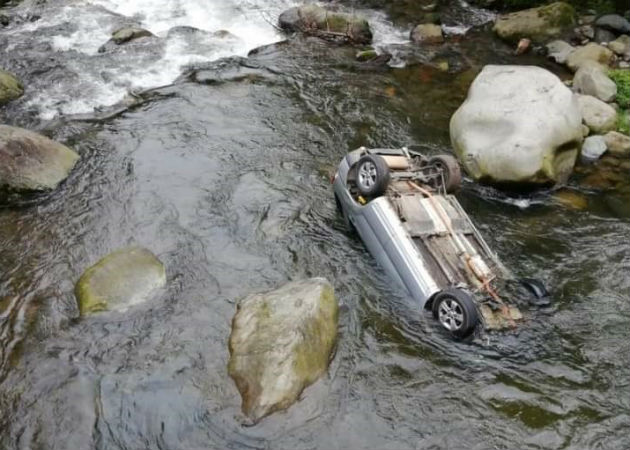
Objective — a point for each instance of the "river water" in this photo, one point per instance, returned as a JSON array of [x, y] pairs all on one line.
[[224, 175]]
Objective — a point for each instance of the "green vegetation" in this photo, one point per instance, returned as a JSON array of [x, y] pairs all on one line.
[[621, 77], [623, 122]]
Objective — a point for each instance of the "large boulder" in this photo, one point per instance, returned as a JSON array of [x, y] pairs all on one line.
[[32, 162], [537, 24], [10, 87], [281, 342], [614, 22], [427, 33], [598, 116], [589, 53], [313, 19], [120, 280], [519, 125], [591, 79]]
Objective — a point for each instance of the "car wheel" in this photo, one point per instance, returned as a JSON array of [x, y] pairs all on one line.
[[372, 176], [449, 167], [455, 310], [539, 296]]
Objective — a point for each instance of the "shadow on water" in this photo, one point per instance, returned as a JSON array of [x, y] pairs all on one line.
[[225, 181]]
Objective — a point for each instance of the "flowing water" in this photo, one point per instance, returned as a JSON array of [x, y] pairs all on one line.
[[224, 175]]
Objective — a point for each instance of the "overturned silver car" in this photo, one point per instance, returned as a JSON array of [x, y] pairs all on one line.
[[400, 203]]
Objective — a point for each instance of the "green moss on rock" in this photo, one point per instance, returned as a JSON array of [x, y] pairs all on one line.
[[316, 20], [121, 279], [10, 87], [537, 24], [280, 343]]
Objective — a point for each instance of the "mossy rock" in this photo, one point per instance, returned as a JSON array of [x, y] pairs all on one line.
[[10, 87], [32, 162], [126, 34], [538, 24], [316, 20], [281, 342], [120, 280]]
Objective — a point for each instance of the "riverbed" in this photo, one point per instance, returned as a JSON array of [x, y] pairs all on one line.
[[222, 170]]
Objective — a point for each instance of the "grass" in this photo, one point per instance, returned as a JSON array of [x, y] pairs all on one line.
[[621, 77], [623, 122]]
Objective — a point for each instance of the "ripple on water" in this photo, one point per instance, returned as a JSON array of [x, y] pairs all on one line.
[[224, 183]]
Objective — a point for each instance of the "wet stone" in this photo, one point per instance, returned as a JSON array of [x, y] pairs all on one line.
[[10, 87], [32, 162], [120, 280], [281, 342]]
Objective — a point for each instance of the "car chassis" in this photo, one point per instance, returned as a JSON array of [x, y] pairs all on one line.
[[400, 203]]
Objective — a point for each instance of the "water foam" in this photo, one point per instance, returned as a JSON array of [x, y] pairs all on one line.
[[80, 28]]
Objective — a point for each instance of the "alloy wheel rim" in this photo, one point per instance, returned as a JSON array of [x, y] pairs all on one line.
[[367, 175], [451, 315]]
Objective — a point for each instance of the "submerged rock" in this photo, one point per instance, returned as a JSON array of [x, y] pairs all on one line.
[[537, 24], [281, 342], [316, 20], [427, 33], [591, 79], [120, 280], [32, 162], [519, 125], [598, 116], [10, 87], [589, 53]]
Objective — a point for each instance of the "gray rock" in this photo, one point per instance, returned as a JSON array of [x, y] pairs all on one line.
[[10, 87], [32, 162], [602, 36], [614, 22], [590, 52], [313, 19], [120, 280], [559, 51], [281, 342], [618, 144], [621, 45], [427, 33], [591, 79], [585, 31], [593, 148], [124, 35], [538, 24], [598, 116], [519, 125]]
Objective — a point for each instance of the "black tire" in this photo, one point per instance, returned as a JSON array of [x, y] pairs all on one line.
[[449, 167], [538, 294], [456, 312], [372, 176]]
